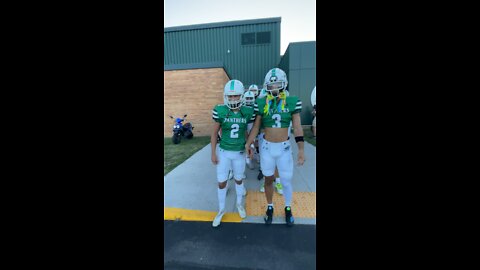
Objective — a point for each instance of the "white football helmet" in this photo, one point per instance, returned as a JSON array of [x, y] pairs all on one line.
[[233, 88], [313, 96], [275, 81], [254, 89], [249, 98], [263, 93]]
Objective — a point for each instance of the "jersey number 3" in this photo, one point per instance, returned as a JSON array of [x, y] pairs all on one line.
[[277, 119], [234, 132]]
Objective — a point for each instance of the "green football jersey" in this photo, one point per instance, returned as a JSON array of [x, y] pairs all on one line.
[[233, 126], [275, 117]]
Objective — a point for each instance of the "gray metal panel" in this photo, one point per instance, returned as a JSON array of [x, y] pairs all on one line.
[[308, 55], [301, 55], [285, 62], [299, 62], [294, 57], [301, 83], [294, 82]]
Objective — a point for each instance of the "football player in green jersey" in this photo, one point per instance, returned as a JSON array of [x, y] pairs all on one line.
[[278, 184], [232, 118], [275, 112], [254, 89]]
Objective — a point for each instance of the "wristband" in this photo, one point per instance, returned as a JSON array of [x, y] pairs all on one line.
[[299, 139]]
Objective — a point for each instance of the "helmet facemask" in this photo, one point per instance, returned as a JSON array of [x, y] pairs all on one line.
[[255, 92], [274, 88], [275, 82], [249, 101], [233, 101]]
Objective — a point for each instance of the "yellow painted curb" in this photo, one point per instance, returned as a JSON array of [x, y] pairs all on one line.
[[170, 213]]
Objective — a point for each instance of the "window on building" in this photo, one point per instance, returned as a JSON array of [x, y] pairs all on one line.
[[248, 38], [263, 37]]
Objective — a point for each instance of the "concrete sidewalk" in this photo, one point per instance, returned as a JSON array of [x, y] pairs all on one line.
[[193, 186]]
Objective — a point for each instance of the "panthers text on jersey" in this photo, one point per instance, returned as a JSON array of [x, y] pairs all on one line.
[[275, 117], [233, 125]]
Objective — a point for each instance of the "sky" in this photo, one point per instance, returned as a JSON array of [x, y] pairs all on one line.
[[298, 16]]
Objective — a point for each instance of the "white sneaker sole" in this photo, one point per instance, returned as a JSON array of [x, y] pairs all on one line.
[[279, 191], [217, 220], [241, 211]]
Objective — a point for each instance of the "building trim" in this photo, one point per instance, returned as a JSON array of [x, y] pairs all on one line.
[[221, 24], [298, 42], [197, 66]]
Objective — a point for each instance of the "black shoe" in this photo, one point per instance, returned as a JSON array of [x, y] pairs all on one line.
[[289, 217], [260, 175], [269, 217]]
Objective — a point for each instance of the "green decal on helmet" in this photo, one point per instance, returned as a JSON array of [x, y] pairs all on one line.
[[232, 84]]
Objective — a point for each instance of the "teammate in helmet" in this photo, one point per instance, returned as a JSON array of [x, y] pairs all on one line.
[[254, 89], [232, 118], [275, 113], [249, 100]]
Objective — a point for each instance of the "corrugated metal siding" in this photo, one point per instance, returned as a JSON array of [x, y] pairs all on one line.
[[299, 62], [247, 63], [285, 62]]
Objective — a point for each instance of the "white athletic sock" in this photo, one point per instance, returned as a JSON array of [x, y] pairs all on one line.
[[287, 193], [270, 204], [277, 180], [239, 189], [222, 194]]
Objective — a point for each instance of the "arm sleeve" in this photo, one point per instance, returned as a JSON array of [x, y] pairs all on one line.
[[215, 115], [253, 117], [298, 106], [256, 110]]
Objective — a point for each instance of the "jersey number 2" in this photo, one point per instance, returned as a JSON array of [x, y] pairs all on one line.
[[234, 132], [277, 119]]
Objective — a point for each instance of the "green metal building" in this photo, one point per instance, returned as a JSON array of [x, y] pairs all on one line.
[[246, 50]]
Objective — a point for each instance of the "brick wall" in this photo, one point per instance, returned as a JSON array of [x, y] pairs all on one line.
[[194, 92]]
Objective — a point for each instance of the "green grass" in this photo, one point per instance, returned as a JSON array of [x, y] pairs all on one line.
[[175, 154], [308, 136]]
